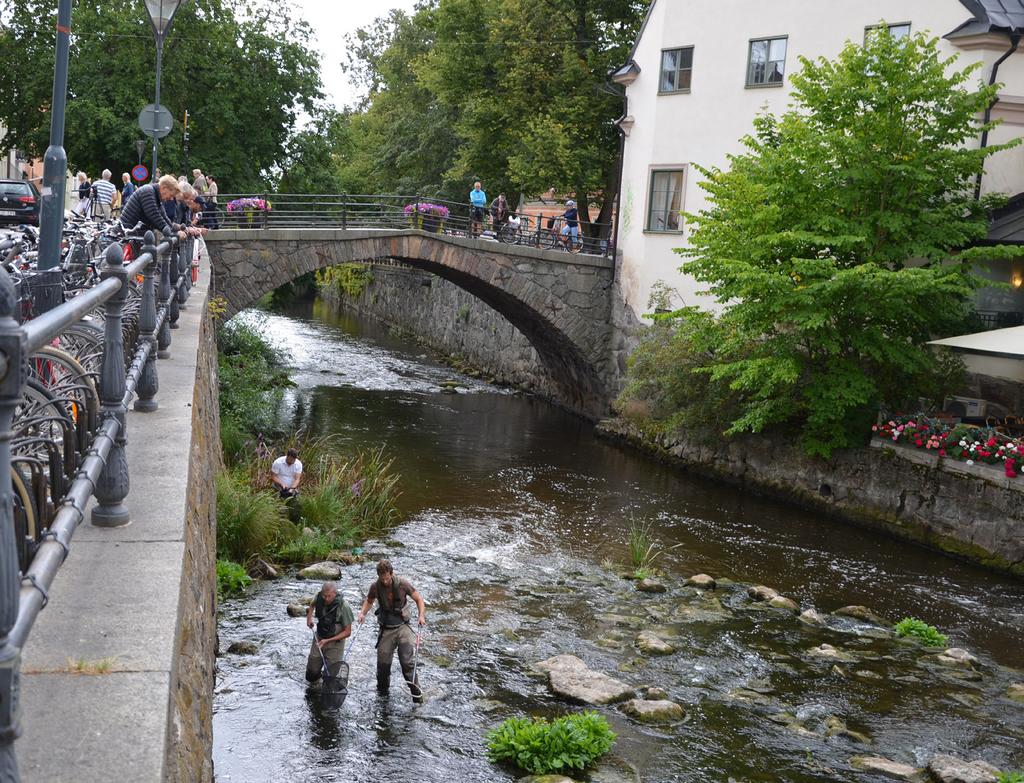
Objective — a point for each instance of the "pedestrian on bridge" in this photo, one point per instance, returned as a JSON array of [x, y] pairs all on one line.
[[145, 206], [477, 208], [333, 620], [391, 595]]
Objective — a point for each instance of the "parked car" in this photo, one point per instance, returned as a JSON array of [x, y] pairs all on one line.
[[19, 202]]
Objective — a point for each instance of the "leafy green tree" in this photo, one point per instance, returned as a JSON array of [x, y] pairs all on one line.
[[528, 80], [836, 241], [242, 69]]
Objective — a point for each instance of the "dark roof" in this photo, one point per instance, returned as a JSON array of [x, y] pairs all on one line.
[[1007, 226], [991, 16]]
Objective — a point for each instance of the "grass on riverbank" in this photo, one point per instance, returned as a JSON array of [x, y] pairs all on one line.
[[345, 498]]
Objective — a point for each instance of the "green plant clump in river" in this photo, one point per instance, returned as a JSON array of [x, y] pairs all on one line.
[[918, 629], [541, 747], [231, 579], [1010, 777]]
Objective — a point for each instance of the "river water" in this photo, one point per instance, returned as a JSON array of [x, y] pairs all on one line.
[[515, 520]]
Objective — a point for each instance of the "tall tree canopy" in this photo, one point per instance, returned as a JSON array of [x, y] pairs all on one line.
[[242, 69], [836, 244], [514, 93]]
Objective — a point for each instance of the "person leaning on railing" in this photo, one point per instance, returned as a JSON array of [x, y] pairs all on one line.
[[145, 206]]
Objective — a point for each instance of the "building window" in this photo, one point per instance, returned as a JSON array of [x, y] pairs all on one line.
[[897, 31], [676, 67], [666, 201], [767, 63]]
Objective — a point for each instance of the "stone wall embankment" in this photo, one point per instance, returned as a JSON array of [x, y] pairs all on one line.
[[971, 512], [190, 739], [450, 321]]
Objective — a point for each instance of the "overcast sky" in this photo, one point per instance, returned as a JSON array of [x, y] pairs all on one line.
[[332, 20]]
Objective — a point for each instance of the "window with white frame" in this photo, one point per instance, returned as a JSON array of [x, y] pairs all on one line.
[[901, 30], [676, 67], [665, 203], [766, 65]]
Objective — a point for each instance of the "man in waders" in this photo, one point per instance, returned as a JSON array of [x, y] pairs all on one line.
[[333, 625], [391, 595]]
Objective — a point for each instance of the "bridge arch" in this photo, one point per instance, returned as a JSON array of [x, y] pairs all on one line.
[[561, 303]]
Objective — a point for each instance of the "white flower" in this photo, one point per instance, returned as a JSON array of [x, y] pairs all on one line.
[[963, 443], [970, 462]]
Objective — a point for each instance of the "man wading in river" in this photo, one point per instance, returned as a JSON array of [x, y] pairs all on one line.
[[392, 593], [333, 627]]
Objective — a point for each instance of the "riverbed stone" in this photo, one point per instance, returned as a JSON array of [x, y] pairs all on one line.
[[650, 643], [957, 657], [570, 677], [655, 694], [762, 593], [297, 610], [862, 613], [323, 570], [781, 602], [884, 766], [812, 617], [650, 585], [653, 711], [828, 651], [243, 647], [1016, 692], [702, 582], [261, 569], [545, 779], [950, 769]]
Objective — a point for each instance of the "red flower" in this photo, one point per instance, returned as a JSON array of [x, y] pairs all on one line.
[[1010, 472], [990, 442], [942, 452], [919, 442]]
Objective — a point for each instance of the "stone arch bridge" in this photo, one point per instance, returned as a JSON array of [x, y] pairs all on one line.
[[566, 305]]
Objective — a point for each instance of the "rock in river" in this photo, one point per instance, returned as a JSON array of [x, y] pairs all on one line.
[[646, 711], [261, 569], [701, 582], [324, 570], [1016, 692], [568, 676], [762, 593], [781, 602], [545, 779], [950, 769], [957, 656], [243, 648], [650, 643], [811, 617], [860, 613], [882, 766], [297, 610], [649, 585]]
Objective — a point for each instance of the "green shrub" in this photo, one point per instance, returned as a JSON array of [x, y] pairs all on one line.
[[920, 630], [539, 747], [1010, 777], [348, 279], [231, 579], [249, 522], [301, 549], [252, 378]]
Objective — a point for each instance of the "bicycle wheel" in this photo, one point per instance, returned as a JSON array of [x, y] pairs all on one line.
[[68, 380], [84, 341], [26, 518]]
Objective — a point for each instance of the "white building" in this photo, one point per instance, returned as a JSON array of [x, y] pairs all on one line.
[[701, 70]]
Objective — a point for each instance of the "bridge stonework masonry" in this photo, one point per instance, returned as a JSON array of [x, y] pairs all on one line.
[[566, 305]]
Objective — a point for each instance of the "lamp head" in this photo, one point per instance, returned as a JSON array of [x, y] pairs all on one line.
[[161, 13]]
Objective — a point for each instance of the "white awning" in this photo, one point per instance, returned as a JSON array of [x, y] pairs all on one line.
[[998, 342]]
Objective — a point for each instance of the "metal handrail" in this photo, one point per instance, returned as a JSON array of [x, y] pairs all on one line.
[[392, 211], [103, 470]]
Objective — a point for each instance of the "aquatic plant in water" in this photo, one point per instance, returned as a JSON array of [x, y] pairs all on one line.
[[918, 629], [540, 747]]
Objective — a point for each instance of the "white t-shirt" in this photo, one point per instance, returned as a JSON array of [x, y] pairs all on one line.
[[286, 474]]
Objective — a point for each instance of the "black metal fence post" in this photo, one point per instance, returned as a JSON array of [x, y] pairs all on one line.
[[265, 212], [149, 383], [173, 264], [112, 486], [184, 262], [164, 335], [13, 375], [344, 211]]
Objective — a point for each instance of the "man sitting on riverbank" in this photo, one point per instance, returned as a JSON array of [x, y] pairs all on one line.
[[333, 626], [391, 594], [286, 474]]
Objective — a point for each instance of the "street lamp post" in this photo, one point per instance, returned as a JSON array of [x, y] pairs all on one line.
[[161, 13]]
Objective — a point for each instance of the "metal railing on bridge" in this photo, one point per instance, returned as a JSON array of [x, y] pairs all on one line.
[[65, 386], [547, 228]]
